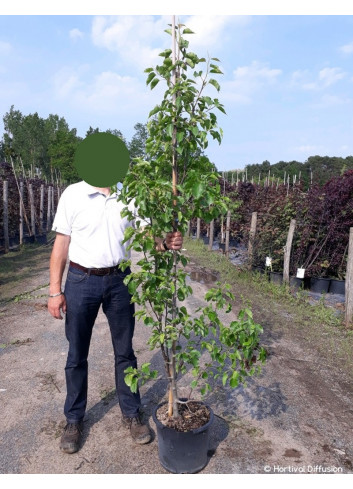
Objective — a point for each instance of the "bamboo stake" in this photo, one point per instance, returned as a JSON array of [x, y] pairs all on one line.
[[173, 394], [22, 206]]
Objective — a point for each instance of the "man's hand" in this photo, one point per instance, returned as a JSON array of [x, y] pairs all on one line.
[[174, 240], [57, 265], [56, 305]]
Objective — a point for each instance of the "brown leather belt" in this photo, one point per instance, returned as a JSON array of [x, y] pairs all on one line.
[[95, 271]]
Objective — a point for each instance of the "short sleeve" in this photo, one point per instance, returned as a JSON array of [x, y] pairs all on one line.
[[63, 217]]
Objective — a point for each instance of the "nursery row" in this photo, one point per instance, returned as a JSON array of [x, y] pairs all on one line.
[[323, 217], [27, 208]]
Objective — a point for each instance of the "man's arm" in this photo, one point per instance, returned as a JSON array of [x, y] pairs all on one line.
[[57, 266]]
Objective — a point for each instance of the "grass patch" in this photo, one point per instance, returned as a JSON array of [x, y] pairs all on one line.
[[277, 308]]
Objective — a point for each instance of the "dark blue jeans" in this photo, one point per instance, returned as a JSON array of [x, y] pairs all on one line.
[[84, 294]]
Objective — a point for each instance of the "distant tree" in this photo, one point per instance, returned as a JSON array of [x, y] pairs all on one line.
[[62, 151], [137, 145], [92, 130], [117, 133]]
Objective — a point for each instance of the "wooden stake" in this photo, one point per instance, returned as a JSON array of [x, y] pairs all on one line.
[[287, 251], [6, 215], [49, 208], [349, 283], [198, 228], [252, 238], [227, 234], [33, 218], [41, 209], [210, 243], [21, 212]]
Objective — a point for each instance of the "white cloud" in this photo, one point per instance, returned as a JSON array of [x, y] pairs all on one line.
[[247, 80], [209, 31], [5, 47], [326, 77], [76, 34], [347, 48], [107, 92], [329, 76], [308, 148], [328, 101], [137, 39]]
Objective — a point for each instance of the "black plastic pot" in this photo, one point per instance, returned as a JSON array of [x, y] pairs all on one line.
[[222, 246], [276, 277], [183, 452], [256, 269], [337, 286], [28, 239], [206, 239], [41, 238], [320, 284], [296, 283]]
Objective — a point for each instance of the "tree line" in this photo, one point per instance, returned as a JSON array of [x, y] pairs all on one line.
[[45, 147], [315, 170]]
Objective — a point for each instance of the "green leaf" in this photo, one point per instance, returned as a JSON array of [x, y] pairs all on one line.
[[150, 77], [154, 82], [215, 83], [188, 31], [197, 190]]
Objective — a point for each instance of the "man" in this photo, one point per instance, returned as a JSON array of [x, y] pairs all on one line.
[[90, 231]]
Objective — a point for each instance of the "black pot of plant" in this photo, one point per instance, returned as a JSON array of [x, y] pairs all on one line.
[[337, 286], [320, 284], [28, 239], [41, 238], [206, 239], [222, 246], [296, 283], [183, 452], [276, 277], [258, 269]]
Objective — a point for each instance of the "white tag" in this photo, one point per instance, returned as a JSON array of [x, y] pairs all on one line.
[[300, 272], [268, 261]]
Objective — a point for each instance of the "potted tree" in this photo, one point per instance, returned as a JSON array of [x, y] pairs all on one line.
[[200, 346]]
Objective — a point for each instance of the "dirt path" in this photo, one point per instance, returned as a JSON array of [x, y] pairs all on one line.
[[296, 417]]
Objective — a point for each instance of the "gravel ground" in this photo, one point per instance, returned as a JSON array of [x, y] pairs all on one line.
[[297, 417]]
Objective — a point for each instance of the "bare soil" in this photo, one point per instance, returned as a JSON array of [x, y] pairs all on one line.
[[192, 415], [297, 417]]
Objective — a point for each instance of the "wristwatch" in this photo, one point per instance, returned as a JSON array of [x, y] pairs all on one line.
[[165, 245]]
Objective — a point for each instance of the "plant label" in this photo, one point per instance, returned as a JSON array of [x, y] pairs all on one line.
[[268, 261], [300, 272]]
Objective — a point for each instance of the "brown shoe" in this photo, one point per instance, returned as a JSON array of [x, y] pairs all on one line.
[[71, 438], [140, 432]]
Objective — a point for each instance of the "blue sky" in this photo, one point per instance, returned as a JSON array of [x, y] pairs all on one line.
[[287, 86]]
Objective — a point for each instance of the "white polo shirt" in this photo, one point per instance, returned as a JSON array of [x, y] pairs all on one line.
[[95, 225]]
